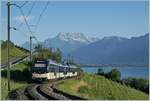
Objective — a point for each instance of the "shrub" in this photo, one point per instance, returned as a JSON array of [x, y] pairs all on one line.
[[114, 75], [138, 83], [100, 71]]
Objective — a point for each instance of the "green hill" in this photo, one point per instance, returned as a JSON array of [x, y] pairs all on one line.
[[15, 52], [99, 88], [19, 79]]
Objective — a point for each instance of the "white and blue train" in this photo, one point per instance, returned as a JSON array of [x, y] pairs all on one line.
[[48, 69]]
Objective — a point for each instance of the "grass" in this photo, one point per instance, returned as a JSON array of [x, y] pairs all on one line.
[[96, 87], [14, 53], [19, 79]]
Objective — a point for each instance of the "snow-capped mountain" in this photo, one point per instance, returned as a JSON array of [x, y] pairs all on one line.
[[69, 42], [66, 42], [76, 37]]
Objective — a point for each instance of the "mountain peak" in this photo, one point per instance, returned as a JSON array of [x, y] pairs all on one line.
[[75, 37]]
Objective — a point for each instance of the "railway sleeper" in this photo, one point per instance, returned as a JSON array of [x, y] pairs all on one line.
[[32, 91], [49, 91]]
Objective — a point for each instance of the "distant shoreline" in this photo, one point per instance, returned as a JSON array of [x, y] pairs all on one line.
[[110, 65]]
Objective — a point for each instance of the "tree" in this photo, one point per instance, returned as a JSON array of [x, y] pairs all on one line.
[[38, 47], [100, 71], [57, 55], [4, 44], [44, 53], [41, 52], [138, 83], [114, 75]]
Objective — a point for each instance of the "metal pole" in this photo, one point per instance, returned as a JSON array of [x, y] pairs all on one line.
[[8, 45], [30, 48]]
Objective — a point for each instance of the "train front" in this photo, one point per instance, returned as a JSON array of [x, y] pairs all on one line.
[[39, 70]]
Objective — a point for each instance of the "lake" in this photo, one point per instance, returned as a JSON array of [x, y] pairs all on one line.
[[126, 72]]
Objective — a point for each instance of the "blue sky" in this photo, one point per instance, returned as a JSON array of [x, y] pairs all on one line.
[[97, 19]]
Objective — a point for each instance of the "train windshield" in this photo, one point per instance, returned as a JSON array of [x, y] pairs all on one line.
[[39, 65]]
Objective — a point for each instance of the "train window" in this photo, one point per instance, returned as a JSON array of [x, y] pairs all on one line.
[[39, 65]]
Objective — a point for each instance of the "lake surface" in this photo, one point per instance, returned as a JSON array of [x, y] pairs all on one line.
[[126, 72]]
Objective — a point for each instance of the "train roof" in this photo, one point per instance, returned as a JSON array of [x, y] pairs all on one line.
[[51, 62], [72, 66]]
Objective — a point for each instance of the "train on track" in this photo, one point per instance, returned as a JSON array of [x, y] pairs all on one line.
[[48, 69]]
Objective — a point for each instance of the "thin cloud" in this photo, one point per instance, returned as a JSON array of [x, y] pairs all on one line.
[[21, 18]]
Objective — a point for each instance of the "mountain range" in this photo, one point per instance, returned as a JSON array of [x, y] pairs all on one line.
[[108, 50], [26, 45], [69, 42], [66, 42], [115, 50]]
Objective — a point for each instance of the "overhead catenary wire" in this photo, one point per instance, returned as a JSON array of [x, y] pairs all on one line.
[[26, 22], [24, 3], [36, 39], [18, 30], [40, 16], [28, 14], [24, 17]]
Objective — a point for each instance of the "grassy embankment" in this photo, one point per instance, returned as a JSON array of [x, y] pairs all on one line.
[[14, 53], [19, 79], [99, 88], [19, 72]]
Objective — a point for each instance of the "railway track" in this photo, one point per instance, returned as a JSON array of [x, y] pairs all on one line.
[[34, 93], [15, 61], [44, 92], [48, 91]]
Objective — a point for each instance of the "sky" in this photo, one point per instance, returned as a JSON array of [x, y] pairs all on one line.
[[96, 19]]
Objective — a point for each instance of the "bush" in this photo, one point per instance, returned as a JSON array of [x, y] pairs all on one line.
[[137, 83], [114, 75], [100, 71], [4, 44]]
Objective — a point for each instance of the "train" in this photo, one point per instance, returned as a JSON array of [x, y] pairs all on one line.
[[49, 69]]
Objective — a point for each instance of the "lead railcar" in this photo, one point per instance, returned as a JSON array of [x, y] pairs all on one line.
[[48, 69]]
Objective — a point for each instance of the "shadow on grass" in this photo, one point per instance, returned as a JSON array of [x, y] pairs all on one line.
[[18, 75]]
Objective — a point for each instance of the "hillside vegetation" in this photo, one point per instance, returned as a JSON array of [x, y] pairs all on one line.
[[97, 87], [14, 52], [19, 79]]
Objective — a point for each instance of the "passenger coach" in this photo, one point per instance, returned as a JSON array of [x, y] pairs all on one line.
[[48, 69]]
